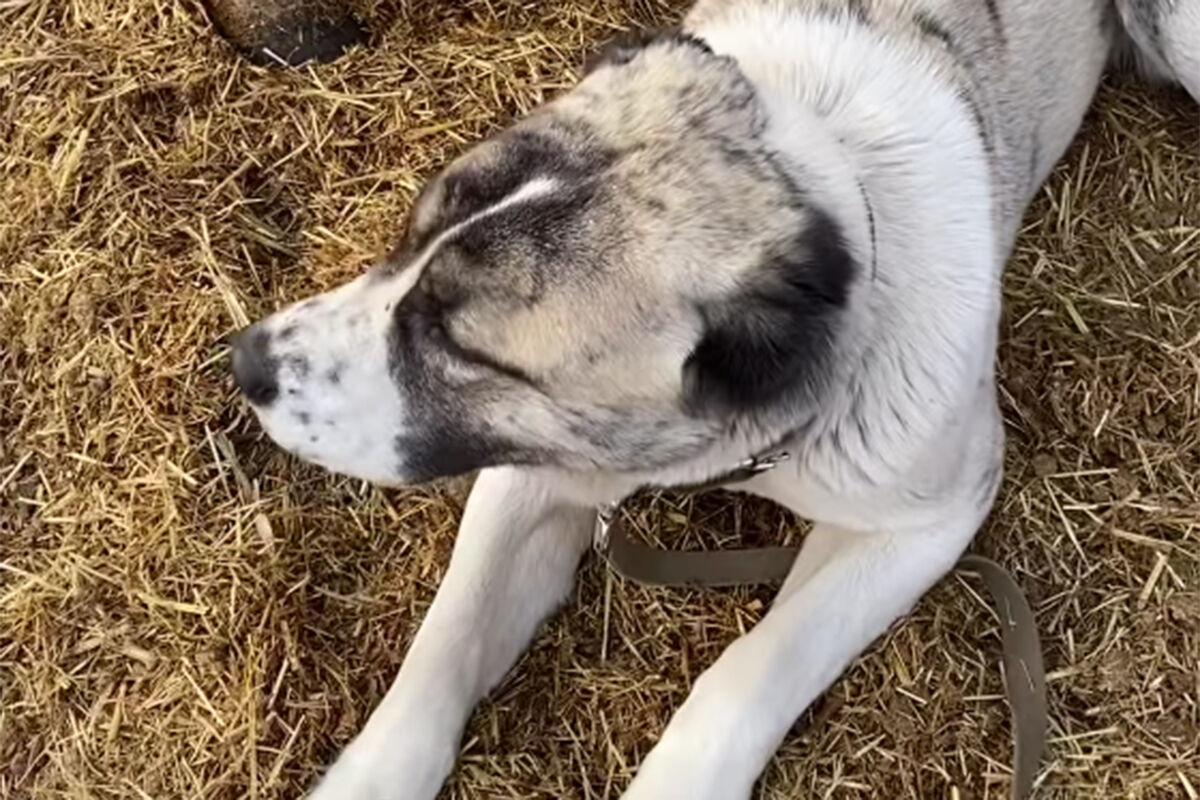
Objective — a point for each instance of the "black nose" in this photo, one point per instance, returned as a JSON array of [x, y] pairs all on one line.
[[253, 367]]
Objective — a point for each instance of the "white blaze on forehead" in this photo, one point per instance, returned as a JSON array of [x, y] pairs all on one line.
[[530, 190]]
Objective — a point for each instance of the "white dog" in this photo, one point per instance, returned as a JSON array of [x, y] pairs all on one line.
[[783, 227]]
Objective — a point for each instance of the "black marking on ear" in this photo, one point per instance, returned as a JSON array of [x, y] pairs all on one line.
[[624, 47], [771, 342]]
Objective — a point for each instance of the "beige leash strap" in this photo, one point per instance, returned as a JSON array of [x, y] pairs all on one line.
[[1024, 675]]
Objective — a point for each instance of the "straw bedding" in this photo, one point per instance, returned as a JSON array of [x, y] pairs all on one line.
[[185, 612]]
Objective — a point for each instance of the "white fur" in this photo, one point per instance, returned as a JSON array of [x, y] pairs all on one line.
[[902, 133], [1181, 41], [892, 518]]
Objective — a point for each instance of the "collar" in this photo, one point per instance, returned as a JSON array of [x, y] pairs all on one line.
[[744, 470]]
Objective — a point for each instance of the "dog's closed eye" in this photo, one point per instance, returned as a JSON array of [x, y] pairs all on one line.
[[424, 315]]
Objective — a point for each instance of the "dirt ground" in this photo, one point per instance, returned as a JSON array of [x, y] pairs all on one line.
[[185, 612]]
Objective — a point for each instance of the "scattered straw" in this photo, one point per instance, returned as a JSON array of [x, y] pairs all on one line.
[[187, 613]]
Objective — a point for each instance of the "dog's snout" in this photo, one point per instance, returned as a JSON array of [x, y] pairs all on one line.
[[254, 371]]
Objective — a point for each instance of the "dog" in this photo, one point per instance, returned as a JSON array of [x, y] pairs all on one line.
[[781, 226]]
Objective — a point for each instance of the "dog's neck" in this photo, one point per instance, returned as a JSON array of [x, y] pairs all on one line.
[[884, 144], [849, 109]]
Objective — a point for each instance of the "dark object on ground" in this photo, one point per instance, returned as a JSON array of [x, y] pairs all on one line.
[[287, 32]]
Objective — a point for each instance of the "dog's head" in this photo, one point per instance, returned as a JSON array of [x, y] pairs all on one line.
[[620, 281]]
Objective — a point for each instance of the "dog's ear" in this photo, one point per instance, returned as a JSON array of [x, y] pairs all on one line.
[[772, 340], [625, 46]]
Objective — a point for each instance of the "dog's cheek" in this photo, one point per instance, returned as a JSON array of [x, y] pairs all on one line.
[[772, 341]]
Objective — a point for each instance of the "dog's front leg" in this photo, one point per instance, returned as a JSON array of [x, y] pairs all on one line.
[[513, 563], [844, 590]]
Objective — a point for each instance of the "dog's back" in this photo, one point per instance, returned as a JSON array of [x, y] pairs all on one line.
[[1027, 68]]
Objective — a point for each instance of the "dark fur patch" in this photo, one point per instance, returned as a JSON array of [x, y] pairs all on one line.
[[980, 123], [931, 27], [439, 440], [422, 323], [772, 341], [858, 10], [564, 154], [862, 190], [624, 47], [445, 450], [423, 317], [540, 229], [994, 15]]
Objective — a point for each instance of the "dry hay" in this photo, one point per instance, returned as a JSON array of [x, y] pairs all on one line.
[[187, 613]]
